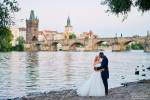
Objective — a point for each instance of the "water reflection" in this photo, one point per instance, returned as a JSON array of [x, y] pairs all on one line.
[[32, 73], [67, 64]]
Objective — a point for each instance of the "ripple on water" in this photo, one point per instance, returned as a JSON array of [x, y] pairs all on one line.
[[23, 73]]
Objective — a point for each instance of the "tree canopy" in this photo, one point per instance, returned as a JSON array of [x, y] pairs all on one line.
[[20, 46], [124, 6], [7, 37], [7, 9], [72, 36]]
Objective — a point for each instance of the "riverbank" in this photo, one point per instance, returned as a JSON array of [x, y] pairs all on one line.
[[129, 91]]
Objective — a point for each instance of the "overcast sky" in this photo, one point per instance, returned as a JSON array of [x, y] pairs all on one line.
[[85, 15]]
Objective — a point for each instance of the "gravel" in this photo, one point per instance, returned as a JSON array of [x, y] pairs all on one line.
[[129, 91]]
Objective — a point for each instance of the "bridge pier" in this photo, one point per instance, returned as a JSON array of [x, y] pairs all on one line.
[[116, 47], [89, 45], [65, 48], [147, 43]]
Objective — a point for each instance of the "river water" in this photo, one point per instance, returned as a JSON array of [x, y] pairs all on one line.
[[22, 73]]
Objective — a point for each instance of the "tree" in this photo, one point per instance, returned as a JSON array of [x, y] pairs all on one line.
[[72, 36], [7, 9], [20, 46], [7, 37], [124, 6], [136, 46], [128, 47], [107, 45]]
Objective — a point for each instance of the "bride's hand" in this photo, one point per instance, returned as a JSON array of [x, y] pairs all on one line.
[[102, 69], [95, 69]]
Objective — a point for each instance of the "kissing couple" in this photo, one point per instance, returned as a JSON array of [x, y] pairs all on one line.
[[97, 85]]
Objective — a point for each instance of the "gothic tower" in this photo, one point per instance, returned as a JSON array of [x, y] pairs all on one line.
[[68, 27], [32, 28]]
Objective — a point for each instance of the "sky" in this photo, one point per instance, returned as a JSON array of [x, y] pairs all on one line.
[[85, 15]]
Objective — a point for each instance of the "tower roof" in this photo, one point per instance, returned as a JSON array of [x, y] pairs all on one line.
[[32, 16], [68, 22]]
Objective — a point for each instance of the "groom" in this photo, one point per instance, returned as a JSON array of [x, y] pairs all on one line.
[[105, 73]]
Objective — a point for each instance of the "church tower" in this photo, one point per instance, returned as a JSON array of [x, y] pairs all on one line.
[[32, 28], [68, 27]]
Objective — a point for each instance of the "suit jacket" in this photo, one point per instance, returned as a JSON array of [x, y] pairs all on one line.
[[104, 64]]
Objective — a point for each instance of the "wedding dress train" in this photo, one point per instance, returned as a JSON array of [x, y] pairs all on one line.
[[94, 86]]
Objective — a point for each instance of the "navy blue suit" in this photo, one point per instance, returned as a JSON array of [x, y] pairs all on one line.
[[105, 73]]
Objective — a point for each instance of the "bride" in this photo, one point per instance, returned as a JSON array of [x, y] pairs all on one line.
[[94, 86]]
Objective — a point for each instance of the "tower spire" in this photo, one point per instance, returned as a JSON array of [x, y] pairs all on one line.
[[32, 16], [68, 21]]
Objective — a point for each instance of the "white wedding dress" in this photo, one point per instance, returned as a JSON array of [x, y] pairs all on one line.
[[94, 86]]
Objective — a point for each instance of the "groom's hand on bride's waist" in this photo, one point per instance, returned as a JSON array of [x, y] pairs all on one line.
[[95, 68]]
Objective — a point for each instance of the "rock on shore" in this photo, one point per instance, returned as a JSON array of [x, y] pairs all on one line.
[[129, 91]]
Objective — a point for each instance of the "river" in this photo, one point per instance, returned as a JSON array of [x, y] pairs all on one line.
[[22, 73]]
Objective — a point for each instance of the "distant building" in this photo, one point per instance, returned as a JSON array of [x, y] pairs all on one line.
[[15, 32], [49, 35], [84, 35], [32, 28], [58, 36], [59, 47], [22, 33], [77, 35], [68, 27], [135, 35], [41, 36]]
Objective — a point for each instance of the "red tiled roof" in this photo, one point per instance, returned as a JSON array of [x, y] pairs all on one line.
[[22, 29], [59, 33], [41, 32], [47, 31]]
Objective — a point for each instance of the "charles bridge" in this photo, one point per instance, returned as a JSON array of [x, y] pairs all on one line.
[[117, 44]]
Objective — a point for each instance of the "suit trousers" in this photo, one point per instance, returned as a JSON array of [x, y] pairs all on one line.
[[105, 81]]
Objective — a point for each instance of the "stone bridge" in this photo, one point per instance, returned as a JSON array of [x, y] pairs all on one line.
[[117, 44]]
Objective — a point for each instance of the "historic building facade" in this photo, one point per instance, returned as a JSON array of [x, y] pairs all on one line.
[[32, 28]]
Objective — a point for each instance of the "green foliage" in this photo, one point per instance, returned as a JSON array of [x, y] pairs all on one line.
[[79, 45], [118, 6], [124, 6], [72, 36], [6, 37], [128, 47], [7, 9], [136, 46], [20, 46], [107, 45], [143, 5], [104, 45]]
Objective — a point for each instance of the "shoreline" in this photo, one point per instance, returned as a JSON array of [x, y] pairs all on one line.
[[139, 90]]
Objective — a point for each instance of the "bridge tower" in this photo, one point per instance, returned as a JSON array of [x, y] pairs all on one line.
[[32, 28], [147, 43]]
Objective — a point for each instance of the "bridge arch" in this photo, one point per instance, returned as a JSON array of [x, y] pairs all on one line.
[[38, 47], [74, 45], [56, 46], [128, 45], [98, 45]]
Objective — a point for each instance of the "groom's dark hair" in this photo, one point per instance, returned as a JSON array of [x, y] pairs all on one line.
[[101, 53]]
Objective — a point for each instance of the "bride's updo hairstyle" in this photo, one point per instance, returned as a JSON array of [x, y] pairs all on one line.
[[96, 58]]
